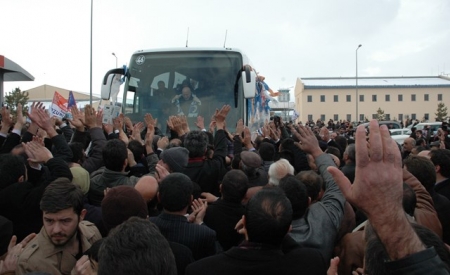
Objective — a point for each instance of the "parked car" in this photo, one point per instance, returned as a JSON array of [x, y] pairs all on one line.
[[399, 135], [434, 126], [389, 123]]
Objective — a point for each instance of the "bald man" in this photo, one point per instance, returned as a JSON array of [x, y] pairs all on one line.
[[325, 136], [424, 153], [147, 186], [408, 145]]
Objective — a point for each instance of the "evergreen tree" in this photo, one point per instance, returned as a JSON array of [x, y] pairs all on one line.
[[17, 96], [380, 115], [441, 113]]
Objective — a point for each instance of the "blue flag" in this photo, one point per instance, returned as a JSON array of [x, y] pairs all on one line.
[[71, 100]]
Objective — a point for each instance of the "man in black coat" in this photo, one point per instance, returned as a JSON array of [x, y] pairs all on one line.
[[265, 225], [207, 173], [441, 161], [175, 196], [19, 199], [223, 214]]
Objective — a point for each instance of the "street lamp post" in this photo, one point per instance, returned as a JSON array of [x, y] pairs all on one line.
[[357, 98], [90, 84], [115, 57]]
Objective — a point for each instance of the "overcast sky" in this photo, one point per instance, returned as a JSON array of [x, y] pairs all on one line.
[[284, 39]]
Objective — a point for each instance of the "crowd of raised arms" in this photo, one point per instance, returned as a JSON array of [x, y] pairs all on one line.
[[82, 197]]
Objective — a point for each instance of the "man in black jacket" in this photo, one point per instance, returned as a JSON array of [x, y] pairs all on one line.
[[264, 225]]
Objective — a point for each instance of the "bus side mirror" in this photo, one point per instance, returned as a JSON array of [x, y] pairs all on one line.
[[249, 82], [108, 82], [106, 87]]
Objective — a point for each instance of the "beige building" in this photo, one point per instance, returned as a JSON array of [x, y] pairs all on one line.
[[399, 97]]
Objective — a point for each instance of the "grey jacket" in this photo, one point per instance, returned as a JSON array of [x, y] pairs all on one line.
[[319, 226]]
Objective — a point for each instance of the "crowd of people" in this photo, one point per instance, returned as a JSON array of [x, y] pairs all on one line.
[[82, 197]]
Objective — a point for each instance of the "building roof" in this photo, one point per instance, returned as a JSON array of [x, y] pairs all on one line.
[[44, 93], [376, 82], [12, 71]]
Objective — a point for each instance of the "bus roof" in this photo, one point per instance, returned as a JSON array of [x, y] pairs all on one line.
[[184, 49]]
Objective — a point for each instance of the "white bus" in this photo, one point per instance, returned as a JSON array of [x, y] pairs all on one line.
[[216, 76]]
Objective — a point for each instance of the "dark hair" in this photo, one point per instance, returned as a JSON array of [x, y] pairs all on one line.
[[409, 200], [62, 194], [196, 142], [77, 152], [114, 154], [313, 182], [268, 216], [376, 255], [234, 186], [11, 169], [334, 151], [236, 161], [341, 141], [137, 149], [175, 192], [441, 157], [267, 151], [136, 247], [297, 194], [423, 169], [92, 252]]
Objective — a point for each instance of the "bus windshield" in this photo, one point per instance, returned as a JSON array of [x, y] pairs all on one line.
[[190, 83]]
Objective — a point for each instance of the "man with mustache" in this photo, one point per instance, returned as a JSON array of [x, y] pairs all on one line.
[[64, 237]]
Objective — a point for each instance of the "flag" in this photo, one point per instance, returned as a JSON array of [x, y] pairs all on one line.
[[71, 101], [59, 106]]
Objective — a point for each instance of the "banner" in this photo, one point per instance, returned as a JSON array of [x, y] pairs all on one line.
[[59, 106]]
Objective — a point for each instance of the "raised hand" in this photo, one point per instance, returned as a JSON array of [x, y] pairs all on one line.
[[200, 123], [19, 117], [161, 173], [163, 143], [308, 141], [239, 127], [221, 115], [149, 138], [378, 190], [137, 129], [14, 251], [7, 122], [184, 124], [128, 123], [36, 152], [77, 119], [44, 121], [150, 120], [90, 117]]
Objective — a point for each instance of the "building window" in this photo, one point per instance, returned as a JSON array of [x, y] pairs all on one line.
[[322, 117], [349, 117], [361, 98], [400, 97], [413, 116], [336, 98], [374, 98], [349, 98], [335, 117], [426, 97], [322, 98], [310, 98], [361, 117], [310, 117], [426, 116], [413, 97], [387, 116], [400, 117], [374, 116], [387, 97], [439, 97]]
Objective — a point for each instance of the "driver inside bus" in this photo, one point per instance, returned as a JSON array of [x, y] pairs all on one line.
[[187, 103]]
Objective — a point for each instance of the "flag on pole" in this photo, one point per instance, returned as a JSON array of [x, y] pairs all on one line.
[[71, 101], [59, 106]]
